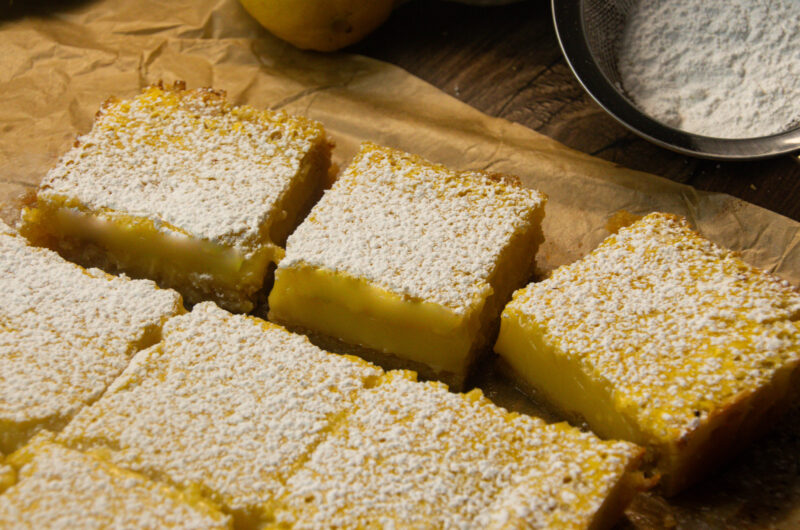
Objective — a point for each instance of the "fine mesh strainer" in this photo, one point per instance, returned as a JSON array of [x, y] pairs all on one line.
[[588, 32]]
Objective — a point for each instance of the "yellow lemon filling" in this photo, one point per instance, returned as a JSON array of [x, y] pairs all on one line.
[[410, 261], [357, 312], [527, 352], [134, 244]]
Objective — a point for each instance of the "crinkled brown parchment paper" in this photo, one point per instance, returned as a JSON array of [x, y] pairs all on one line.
[[56, 69]]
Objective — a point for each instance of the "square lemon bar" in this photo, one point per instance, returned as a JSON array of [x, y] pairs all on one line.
[[180, 187], [662, 338], [56, 488], [409, 261], [65, 334], [414, 455], [225, 405]]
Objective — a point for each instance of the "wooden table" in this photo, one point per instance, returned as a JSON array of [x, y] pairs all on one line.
[[506, 62]]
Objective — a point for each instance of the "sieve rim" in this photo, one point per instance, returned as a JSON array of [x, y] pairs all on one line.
[[570, 31]]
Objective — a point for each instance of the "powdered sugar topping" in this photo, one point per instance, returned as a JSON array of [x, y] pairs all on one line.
[[66, 332], [60, 488], [225, 403], [266, 424], [416, 454]]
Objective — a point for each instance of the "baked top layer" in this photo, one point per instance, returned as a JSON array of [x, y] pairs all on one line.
[[60, 488], [677, 326], [188, 161], [414, 228], [416, 455], [66, 332], [231, 403]]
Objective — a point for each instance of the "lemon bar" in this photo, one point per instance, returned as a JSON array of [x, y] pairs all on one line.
[[180, 187], [65, 334], [409, 261], [662, 338], [414, 455], [60, 488], [225, 405]]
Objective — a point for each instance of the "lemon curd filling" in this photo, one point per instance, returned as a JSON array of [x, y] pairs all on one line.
[[195, 267], [662, 338], [525, 348], [355, 311]]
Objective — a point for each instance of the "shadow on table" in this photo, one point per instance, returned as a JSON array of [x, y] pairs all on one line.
[[758, 489], [16, 9]]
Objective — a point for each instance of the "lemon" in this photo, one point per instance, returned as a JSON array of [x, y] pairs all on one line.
[[323, 25]]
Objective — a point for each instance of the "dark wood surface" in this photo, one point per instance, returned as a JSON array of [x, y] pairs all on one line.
[[505, 61]]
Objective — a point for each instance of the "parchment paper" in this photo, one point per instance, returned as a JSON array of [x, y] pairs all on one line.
[[55, 70]]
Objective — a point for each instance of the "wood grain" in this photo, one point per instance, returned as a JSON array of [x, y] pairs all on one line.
[[506, 62]]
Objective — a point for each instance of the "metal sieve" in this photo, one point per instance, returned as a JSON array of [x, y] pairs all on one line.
[[588, 33]]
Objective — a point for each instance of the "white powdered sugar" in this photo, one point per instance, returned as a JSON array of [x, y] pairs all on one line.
[[413, 228], [64, 489], [65, 334], [676, 326], [225, 403], [187, 161], [415, 455], [724, 69], [269, 426]]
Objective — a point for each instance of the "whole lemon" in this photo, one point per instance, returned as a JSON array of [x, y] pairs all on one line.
[[323, 25]]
